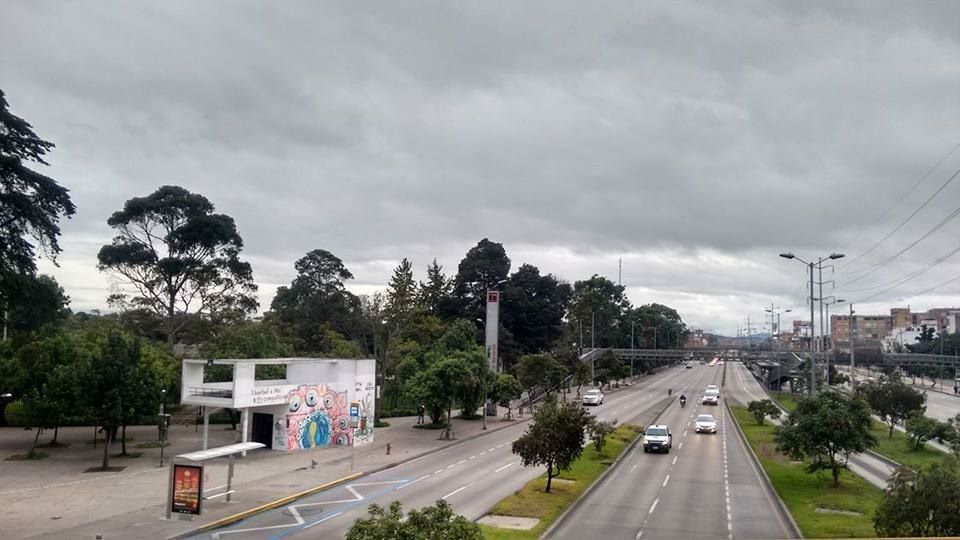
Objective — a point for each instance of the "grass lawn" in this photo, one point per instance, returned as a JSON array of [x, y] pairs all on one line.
[[785, 399], [803, 492], [900, 449], [531, 501]]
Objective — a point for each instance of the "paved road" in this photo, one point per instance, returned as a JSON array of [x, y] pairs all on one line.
[[707, 487], [472, 476]]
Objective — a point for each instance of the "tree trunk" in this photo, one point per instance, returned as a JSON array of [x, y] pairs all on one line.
[[123, 441], [56, 431], [36, 438], [549, 476], [108, 436], [836, 475], [890, 434]]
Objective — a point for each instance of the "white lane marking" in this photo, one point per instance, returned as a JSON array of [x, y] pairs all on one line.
[[639, 534], [504, 467], [482, 453], [452, 465], [414, 482], [681, 445], [461, 462], [473, 457], [454, 492], [684, 433], [633, 468], [674, 460], [438, 471], [331, 516], [665, 480], [654, 505], [492, 449]]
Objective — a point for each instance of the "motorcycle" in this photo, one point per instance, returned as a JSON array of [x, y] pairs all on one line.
[[683, 402]]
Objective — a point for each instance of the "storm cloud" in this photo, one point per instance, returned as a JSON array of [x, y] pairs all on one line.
[[693, 140]]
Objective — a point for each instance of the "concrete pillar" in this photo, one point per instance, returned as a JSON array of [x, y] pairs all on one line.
[[244, 423], [206, 425]]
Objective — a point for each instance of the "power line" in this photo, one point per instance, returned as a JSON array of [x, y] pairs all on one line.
[[902, 197], [925, 235], [911, 275], [945, 283], [904, 222]]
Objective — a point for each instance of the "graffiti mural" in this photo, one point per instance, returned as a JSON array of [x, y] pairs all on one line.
[[363, 434], [317, 416]]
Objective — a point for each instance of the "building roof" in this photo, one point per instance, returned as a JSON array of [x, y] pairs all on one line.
[[221, 451]]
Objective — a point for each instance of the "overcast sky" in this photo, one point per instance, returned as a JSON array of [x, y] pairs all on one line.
[[696, 140]]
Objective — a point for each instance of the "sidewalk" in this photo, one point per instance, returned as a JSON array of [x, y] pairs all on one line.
[[54, 498]]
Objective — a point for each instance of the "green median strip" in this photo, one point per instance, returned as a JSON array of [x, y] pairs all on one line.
[[819, 509], [532, 502]]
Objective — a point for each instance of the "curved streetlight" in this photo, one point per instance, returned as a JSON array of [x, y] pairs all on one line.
[[811, 265]]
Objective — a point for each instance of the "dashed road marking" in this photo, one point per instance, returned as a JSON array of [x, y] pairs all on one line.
[[665, 480], [414, 482], [675, 460], [504, 467], [654, 505], [454, 492]]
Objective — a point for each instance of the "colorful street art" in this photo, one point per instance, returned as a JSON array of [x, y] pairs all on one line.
[[317, 416]]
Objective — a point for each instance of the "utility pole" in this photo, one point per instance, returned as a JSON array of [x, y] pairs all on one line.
[[813, 361], [620, 271], [820, 300], [851, 333], [593, 327]]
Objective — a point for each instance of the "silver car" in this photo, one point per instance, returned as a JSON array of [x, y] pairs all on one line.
[[593, 397], [706, 423]]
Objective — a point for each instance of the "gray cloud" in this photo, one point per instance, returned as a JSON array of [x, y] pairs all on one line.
[[696, 139]]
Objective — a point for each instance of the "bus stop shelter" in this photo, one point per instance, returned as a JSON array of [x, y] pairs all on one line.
[[186, 492]]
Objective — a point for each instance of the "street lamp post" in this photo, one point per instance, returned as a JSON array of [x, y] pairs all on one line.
[[811, 265]]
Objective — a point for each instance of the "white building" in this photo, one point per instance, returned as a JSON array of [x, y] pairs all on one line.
[[321, 401]]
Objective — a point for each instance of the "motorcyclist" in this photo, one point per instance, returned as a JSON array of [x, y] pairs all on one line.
[[669, 391], [683, 400]]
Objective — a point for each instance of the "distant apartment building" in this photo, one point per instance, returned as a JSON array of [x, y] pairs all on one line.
[[940, 319], [868, 330], [800, 337]]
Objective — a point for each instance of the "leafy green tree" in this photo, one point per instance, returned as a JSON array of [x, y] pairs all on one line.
[[433, 522], [109, 381], [762, 409], [919, 504], [317, 300], [434, 294], [581, 375], [473, 388], [483, 267], [555, 438], [31, 204], [401, 296], [36, 301], [539, 370], [248, 339], [534, 306], [608, 367], [179, 257], [599, 431], [504, 390], [892, 400], [922, 428], [601, 305], [825, 430]]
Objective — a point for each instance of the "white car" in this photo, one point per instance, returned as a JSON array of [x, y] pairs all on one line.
[[706, 423], [711, 397], [712, 387], [593, 397], [657, 438]]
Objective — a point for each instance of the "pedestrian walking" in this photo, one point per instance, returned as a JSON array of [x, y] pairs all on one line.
[[420, 410]]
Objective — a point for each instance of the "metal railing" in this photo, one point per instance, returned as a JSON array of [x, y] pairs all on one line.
[[206, 391]]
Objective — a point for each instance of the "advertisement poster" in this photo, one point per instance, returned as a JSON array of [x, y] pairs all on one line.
[[187, 489]]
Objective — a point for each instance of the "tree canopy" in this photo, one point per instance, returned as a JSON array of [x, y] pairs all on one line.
[[179, 257], [483, 268], [31, 204], [434, 522], [923, 503], [891, 400], [555, 438], [825, 430]]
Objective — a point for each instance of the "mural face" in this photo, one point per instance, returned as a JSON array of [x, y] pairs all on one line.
[[317, 416]]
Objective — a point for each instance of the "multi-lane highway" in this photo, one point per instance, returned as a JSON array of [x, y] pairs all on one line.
[[707, 487], [471, 476]]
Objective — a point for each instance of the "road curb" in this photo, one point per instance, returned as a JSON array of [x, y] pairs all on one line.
[[579, 500], [883, 458], [233, 518], [768, 485]]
